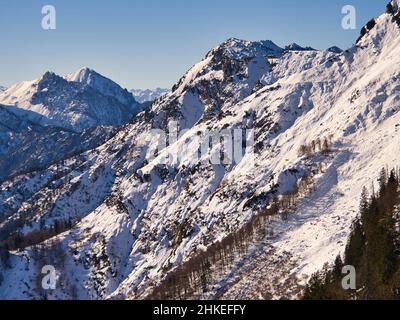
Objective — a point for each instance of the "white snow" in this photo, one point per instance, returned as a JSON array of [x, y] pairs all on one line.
[[76, 102], [130, 211], [148, 95]]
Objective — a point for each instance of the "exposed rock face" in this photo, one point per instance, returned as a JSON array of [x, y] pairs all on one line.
[[52, 118], [148, 95], [127, 220]]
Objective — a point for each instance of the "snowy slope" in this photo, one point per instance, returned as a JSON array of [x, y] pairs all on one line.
[[81, 101], [148, 95], [52, 118], [46, 120], [334, 49], [103, 85], [135, 219], [296, 47], [26, 145]]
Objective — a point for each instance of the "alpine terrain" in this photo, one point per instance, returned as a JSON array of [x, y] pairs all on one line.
[[49, 119], [120, 215], [148, 95]]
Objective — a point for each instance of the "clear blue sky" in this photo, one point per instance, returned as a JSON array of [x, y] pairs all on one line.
[[150, 43]]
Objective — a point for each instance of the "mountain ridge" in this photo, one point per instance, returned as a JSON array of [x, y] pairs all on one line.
[[51, 118], [68, 103], [133, 220], [148, 95]]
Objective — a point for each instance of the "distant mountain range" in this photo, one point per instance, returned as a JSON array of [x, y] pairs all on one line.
[[148, 95], [77, 102], [121, 220], [49, 119]]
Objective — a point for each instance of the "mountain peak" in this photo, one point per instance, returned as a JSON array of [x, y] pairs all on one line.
[[148, 95], [84, 74], [86, 69], [106, 86], [395, 4], [238, 49], [334, 49], [295, 47]]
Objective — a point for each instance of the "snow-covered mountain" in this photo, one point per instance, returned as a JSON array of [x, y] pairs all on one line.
[[296, 47], [148, 95], [104, 85], [26, 146], [77, 102], [335, 49], [2, 88], [49, 119], [115, 222]]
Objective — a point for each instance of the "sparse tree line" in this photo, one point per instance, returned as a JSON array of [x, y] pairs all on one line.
[[196, 276], [50, 186], [373, 248], [319, 145], [19, 241]]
